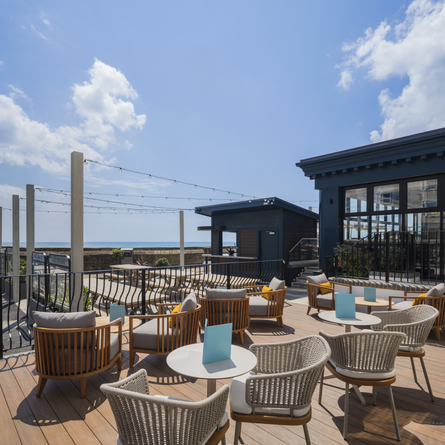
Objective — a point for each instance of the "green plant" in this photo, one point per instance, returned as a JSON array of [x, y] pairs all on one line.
[[141, 262], [88, 300], [162, 262], [22, 269], [353, 261], [117, 254]]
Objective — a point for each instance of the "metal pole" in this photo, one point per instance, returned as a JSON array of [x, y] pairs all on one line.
[[181, 237], [76, 230], [387, 256], [30, 232], [16, 246]]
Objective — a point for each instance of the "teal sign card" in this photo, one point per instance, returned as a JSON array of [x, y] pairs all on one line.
[[117, 311], [217, 343], [344, 305], [370, 293]]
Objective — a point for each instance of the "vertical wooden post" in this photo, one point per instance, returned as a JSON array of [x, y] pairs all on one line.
[[181, 237], [30, 232], [16, 246], [76, 231]]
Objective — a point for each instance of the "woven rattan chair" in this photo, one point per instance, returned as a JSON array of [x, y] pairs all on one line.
[[279, 389], [364, 358], [416, 322], [143, 419]]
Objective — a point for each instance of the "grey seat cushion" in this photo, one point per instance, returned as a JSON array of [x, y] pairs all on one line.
[[402, 305], [146, 335], [325, 301], [114, 345], [65, 320], [436, 291], [257, 306], [219, 294], [317, 279], [276, 284]]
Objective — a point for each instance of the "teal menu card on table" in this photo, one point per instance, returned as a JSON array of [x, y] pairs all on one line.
[[344, 305], [117, 311], [217, 343], [370, 293]]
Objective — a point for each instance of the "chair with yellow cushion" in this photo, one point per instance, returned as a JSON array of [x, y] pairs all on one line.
[[163, 332], [267, 301], [434, 297], [321, 293]]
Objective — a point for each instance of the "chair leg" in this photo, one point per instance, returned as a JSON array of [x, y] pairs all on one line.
[[241, 337], [345, 425], [132, 357], [427, 379], [40, 386], [119, 363], [437, 333], [394, 415], [320, 393], [237, 433], [374, 395], [414, 369], [306, 434], [83, 387], [280, 320], [223, 440], [308, 310]]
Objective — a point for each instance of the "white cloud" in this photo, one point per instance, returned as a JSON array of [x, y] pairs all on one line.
[[17, 92], [414, 48], [346, 79], [45, 20], [39, 33], [25, 141], [2, 63]]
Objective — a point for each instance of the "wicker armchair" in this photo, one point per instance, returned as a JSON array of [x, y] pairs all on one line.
[[163, 332], [143, 419], [279, 389], [437, 302], [319, 301], [364, 358], [222, 306], [416, 322]]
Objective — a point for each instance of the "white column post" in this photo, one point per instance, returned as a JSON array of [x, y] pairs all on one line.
[[181, 237], [30, 231], [76, 230], [16, 246]]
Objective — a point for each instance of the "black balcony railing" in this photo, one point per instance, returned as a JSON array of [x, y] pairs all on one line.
[[392, 256], [139, 290], [305, 250]]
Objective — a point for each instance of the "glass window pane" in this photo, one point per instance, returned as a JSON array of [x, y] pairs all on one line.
[[422, 194], [386, 197], [386, 223], [422, 222], [355, 200], [355, 228]]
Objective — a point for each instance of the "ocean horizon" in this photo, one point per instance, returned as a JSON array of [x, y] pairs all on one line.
[[122, 245]]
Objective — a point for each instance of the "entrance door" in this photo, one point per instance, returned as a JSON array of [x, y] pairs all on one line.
[[269, 245]]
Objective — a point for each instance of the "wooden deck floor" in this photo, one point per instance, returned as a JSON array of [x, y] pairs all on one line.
[[60, 416]]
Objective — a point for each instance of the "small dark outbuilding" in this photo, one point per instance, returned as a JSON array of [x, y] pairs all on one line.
[[266, 229]]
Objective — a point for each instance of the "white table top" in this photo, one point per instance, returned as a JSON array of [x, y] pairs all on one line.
[[188, 361], [360, 319]]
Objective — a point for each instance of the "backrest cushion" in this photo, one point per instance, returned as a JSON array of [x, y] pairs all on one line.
[[220, 294], [317, 279], [189, 303], [436, 291], [65, 320], [276, 284]]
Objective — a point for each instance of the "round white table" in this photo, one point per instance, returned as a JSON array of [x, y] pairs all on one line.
[[360, 319], [188, 361]]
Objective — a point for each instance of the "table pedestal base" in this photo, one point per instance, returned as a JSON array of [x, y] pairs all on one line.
[[211, 387]]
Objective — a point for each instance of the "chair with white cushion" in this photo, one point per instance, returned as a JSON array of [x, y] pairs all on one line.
[[321, 292], [416, 322], [143, 419], [279, 389], [364, 358], [267, 301]]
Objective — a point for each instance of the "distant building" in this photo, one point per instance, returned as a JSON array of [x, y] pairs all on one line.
[[266, 229], [396, 185]]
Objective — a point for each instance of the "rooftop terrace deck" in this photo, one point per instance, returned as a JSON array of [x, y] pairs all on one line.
[[60, 416]]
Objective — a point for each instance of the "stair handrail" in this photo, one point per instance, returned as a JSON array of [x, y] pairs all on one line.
[[303, 239]]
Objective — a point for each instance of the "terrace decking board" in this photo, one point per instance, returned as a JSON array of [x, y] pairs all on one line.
[[61, 416]]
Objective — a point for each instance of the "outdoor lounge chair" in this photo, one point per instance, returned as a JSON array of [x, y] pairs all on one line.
[[71, 346], [416, 322], [279, 389], [267, 304], [164, 332], [364, 358], [221, 306], [321, 297], [143, 419]]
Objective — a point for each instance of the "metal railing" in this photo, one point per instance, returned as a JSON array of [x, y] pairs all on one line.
[[305, 250], [392, 256], [139, 290]]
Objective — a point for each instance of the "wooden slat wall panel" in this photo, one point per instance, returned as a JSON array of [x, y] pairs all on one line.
[[248, 243]]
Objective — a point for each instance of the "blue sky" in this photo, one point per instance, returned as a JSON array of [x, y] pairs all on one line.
[[227, 95]]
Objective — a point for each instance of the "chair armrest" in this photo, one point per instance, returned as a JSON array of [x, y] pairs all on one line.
[[342, 284]]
